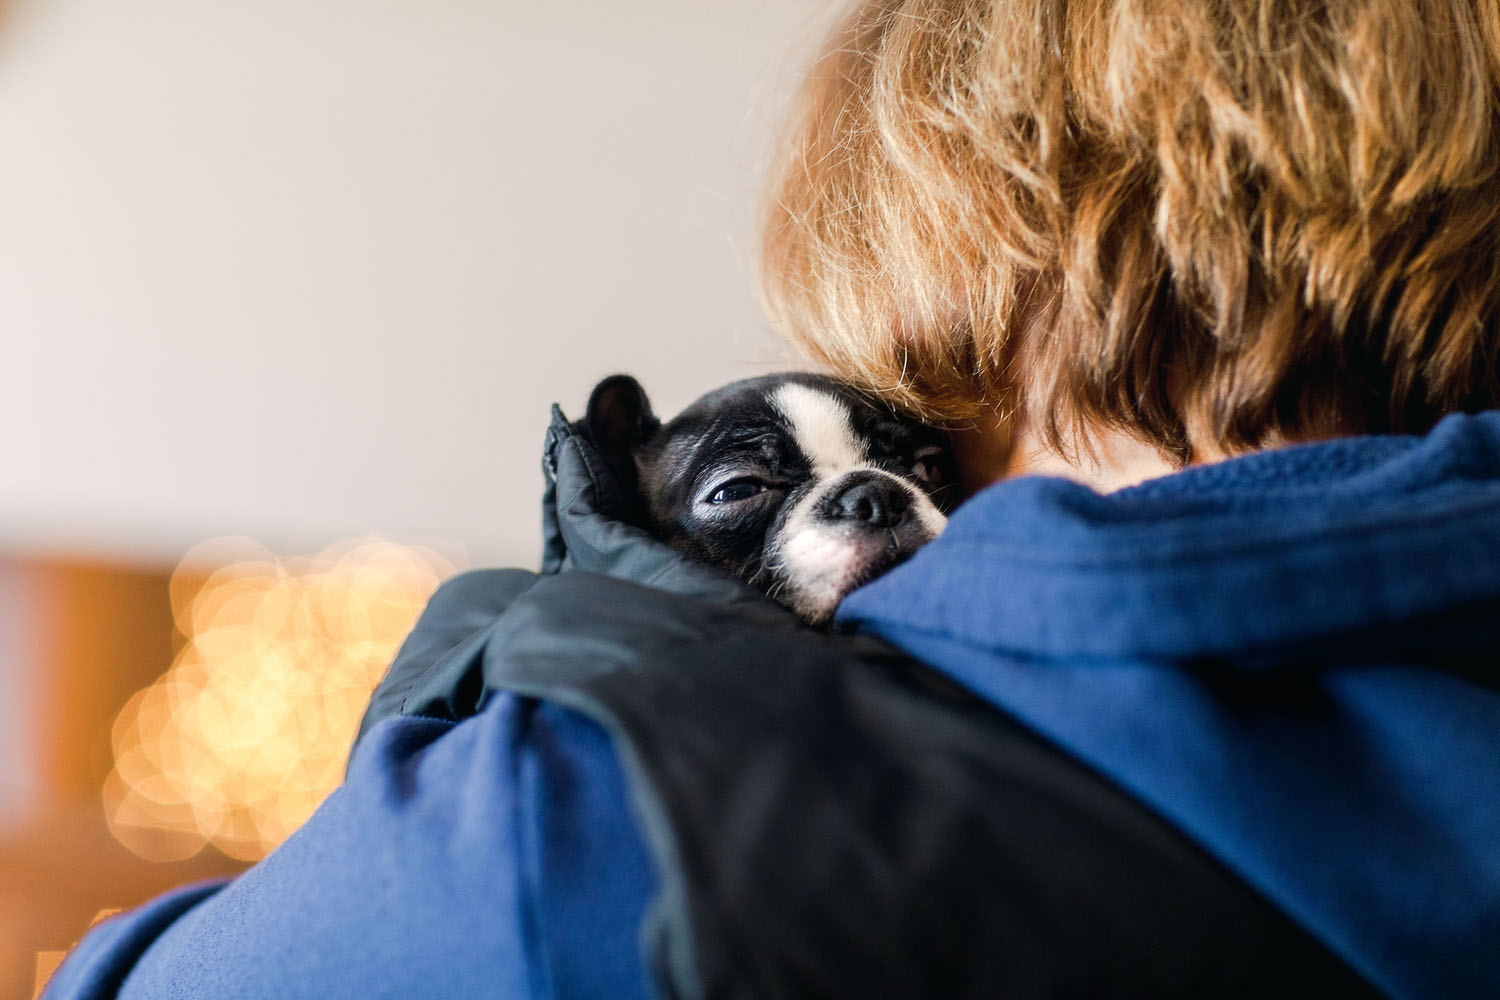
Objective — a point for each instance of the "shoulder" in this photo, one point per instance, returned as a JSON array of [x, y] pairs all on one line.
[[783, 774], [492, 856]]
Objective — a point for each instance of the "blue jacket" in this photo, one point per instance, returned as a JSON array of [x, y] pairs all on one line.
[[1291, 658]]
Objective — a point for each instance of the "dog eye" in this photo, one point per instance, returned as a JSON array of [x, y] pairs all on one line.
[[928, 466], [740, 489]]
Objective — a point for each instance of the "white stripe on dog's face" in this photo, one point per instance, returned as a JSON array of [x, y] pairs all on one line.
[[821, 426], [821, 557]]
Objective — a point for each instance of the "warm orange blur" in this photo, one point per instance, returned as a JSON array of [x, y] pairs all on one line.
[[176, 723], [245, 735]]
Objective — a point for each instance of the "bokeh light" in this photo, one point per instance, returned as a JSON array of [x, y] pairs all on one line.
[[248, 731]]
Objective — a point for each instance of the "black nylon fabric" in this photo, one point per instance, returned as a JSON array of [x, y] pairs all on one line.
[[829, 818]]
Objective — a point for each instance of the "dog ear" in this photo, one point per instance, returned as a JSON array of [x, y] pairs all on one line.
[[619, 419]]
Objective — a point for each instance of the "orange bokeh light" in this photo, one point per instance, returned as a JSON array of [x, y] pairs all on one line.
[[238, 742]]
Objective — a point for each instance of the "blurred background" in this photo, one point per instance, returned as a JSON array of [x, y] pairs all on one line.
[[286, 290]]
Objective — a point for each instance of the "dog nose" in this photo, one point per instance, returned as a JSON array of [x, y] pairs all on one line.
[[875, 501]]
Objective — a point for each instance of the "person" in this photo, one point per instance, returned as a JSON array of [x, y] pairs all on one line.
[[1212, 713]]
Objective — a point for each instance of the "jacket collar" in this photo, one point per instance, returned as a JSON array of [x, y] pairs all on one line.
[[1287, 554]]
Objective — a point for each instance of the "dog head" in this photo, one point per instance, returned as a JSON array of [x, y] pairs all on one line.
[[796, 483]]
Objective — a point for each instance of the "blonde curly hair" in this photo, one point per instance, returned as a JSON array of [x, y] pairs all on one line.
[[1210, 224]]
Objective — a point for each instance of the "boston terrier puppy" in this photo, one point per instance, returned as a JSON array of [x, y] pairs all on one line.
[[796, 483]]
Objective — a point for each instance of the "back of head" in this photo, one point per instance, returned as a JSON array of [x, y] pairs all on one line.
[[1213, 225]]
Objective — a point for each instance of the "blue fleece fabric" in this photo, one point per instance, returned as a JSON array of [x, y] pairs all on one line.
[[1293, 657]]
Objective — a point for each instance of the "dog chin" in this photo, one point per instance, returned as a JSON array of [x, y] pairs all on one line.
[[819, 567]]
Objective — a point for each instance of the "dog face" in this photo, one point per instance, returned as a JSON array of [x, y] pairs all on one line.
[[796, 483]]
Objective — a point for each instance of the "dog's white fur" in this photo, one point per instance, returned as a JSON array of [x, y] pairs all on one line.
[[819, 559], [821, 425]]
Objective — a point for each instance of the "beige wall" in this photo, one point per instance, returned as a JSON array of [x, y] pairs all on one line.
[[301, 269]]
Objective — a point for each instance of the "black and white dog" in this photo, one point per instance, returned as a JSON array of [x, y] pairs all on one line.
[[796, 483]]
